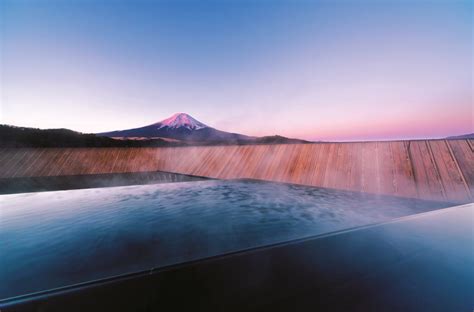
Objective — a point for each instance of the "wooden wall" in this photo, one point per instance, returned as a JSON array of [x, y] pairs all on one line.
[[435, 169]]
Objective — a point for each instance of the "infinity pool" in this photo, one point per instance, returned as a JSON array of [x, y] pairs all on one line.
[[55, 239]]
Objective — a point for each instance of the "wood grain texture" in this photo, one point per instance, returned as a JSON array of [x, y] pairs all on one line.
[[434, 169]]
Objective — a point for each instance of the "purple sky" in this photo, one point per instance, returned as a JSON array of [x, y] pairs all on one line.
[[318, 70]]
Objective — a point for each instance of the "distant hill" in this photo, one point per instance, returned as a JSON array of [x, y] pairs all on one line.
[[277, 139], [462, 136], [11, 136], [184, 128]]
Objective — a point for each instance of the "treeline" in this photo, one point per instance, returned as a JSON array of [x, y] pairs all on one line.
[[11, 136]]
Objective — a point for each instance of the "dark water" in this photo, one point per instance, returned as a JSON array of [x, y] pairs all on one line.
[[55, 239]]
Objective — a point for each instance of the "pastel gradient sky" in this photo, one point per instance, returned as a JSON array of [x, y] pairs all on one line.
[[318, 70]]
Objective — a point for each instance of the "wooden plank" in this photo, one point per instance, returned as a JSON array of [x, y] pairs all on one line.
[[464, 157], [264, 161], [13, 162], [53, 162], [34, 164], [385, 168], [451, 177], [403, 175], [369, 168], [19, 168], [56, 169], [300, 170], [345, 166], [329, 172], [309, 166], [426, 172], [441, 170], [321, 165], [293, 156], [356, 167], [8, 159]]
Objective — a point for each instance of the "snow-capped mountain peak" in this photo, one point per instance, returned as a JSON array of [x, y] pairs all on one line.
[[181, 120], [182, 128]]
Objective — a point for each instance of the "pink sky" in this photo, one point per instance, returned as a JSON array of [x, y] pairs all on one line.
[[312, 70]]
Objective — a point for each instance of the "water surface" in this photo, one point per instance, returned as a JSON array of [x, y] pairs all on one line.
[[55, 239]]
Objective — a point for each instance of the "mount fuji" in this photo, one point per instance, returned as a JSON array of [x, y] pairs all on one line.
[[184, 128]]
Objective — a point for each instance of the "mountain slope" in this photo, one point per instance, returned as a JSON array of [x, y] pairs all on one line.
[[178, 130], [462, 136], [181, 127], [11, 136]]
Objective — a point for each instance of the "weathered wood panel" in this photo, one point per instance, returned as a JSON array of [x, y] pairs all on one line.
[[451, 177], [426, 173], [462, 151], [436, 169]]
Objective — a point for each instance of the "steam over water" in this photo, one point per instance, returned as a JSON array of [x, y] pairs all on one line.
[[54, 239]]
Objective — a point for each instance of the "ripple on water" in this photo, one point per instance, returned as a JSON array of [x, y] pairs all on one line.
[[55, 239]]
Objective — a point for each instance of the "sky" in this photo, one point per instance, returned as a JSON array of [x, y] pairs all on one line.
[[316, 70]]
